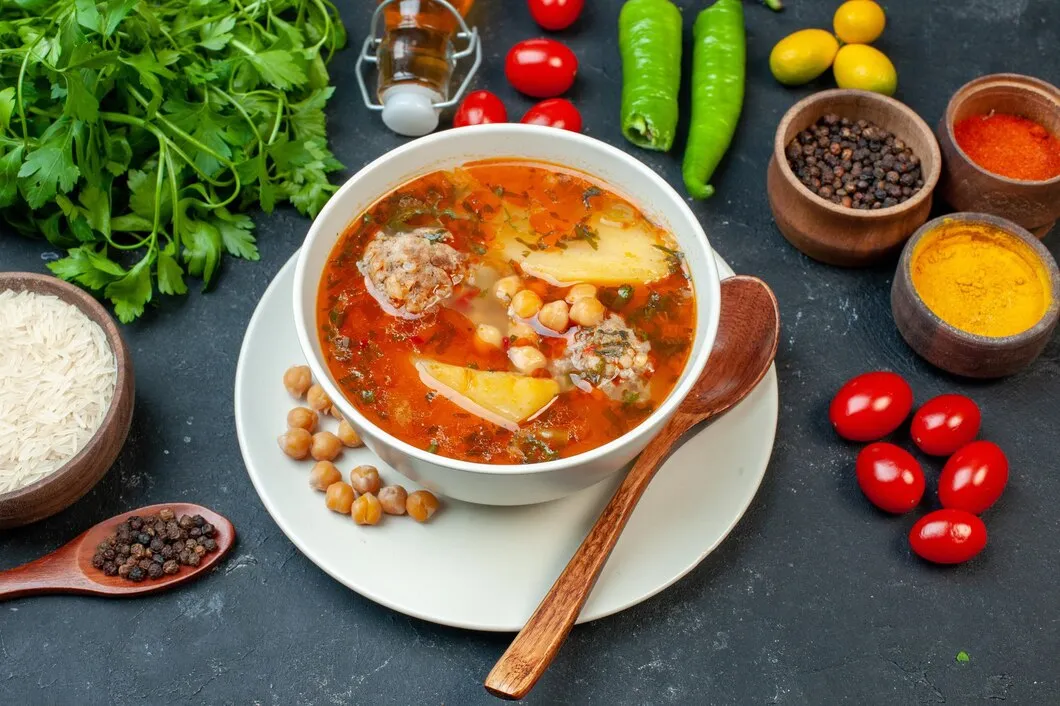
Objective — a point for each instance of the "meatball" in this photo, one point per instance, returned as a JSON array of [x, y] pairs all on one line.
[[608, 356], [413, 272]]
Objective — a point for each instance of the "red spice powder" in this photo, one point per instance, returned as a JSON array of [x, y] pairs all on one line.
[[1010, 146]]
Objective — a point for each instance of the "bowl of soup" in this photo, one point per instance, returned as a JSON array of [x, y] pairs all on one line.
[[506, 313]]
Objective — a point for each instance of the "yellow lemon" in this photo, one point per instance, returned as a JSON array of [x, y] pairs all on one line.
[[861, 66], [859, 21], [803, 56]]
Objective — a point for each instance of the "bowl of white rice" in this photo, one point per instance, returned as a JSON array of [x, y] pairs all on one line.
[[66, 395]]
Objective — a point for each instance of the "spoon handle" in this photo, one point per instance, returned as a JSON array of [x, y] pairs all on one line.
[[533, 649], [49, 574]]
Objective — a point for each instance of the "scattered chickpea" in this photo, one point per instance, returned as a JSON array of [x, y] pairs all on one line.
[[393, 498], [421, 505], [580, 291], [323, 475], [523, 332], [525, 304], [302, 418], [297, 380], [318, 399], [367, 510], [296, 442], [365, 479], [348, 435], [488, 336], [326, 446], [554, 315], [339, 498], [526, 359], [587, 312], [506, 287]]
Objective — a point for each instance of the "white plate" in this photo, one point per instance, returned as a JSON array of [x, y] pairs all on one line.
[[486, 568]]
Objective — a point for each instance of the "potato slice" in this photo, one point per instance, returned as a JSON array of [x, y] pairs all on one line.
[[506, 399], [623, 255]]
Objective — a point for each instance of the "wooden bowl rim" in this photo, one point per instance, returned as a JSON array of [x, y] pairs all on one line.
[[94, 311], [1048, 319], [930, 181], [1010, 80]]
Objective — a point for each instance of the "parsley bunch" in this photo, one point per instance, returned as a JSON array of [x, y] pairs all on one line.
[[135, 133]]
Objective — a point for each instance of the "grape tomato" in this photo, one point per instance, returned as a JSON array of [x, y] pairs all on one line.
[[480, 108], [890, 477], [555, 112], [945, 423], [555, 14], [871, 406], [542, 68], [948, 536], [974, 477]]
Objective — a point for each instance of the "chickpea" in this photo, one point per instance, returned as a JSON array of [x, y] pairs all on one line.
[[323, 475], [316, 398], [326, 446], [506, 287], [348, 435], [522, 331], [297, 380], [296, 442], [302, 418], [487, 336], [365, 479], [526, 359], [554, 315], [393, 498], [339, 498], [580, 291], [421, 505], [525, 304], [587, 312], [367, 510]]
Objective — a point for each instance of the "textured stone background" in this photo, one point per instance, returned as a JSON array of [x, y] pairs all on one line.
[[814, 598]]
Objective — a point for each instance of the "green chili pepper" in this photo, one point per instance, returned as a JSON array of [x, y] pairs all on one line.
[[718, 66], [649, 38]]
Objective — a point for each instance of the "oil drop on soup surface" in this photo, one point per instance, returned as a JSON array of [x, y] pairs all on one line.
[[456, 313]]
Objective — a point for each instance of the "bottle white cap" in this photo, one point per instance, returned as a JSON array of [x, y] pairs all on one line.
[[408, 109]]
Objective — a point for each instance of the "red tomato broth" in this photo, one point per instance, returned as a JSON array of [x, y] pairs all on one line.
[[377, 372]]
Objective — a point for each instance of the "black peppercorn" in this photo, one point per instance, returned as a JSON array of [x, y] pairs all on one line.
[[136, 574], [110, 568], [135, 523], [210, 545], [194, 532], [145, 564], [155, 571], [193, 559], [166, 515], [170, 567], [97, 561], [143, 538]]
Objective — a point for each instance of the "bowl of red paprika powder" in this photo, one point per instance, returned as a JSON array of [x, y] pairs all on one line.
[[1000, 141]]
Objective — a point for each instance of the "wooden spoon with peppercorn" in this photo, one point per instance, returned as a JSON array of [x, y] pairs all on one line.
[[191, 539]]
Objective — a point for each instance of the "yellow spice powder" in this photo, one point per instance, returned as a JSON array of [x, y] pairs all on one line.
[[980, 279]]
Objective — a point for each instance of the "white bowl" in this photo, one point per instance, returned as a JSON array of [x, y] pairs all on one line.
[[493, 484]]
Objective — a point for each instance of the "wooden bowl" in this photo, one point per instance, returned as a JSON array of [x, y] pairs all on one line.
[[1034, 205], [958, 351], [60, 489], [832, 233]]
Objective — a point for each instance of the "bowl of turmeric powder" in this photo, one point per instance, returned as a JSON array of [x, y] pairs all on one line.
[[976, 295]]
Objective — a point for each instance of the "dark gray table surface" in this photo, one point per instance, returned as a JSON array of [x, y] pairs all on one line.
[[813, 599]]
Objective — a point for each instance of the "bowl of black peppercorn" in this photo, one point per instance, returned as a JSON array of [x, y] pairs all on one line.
[[852, 176]]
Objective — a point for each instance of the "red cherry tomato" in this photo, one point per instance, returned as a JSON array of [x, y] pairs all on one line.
[[871, 406], [541, 68], [974, 477], [555, 14], [555, 112], [480, 108], [948, 536], [890, 477], [945, 423]]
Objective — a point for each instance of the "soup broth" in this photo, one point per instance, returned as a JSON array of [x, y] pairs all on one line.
[[505, 312]]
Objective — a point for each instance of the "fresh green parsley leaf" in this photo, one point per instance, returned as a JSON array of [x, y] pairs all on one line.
[[9, 167], [236, 234], [114, 12], [45, 170], [87, 267], [170, 275], [87, 14], [81, 103], [142, 197], [215, 36], [278, 67], [7, 107], [202, 249], [132, 292]]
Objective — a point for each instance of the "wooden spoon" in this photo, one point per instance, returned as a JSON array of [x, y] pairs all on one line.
[[745, 347], [69, 568]]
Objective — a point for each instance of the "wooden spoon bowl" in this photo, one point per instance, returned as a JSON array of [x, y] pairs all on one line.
[[69, 569], [67, 484], [833, 233]]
